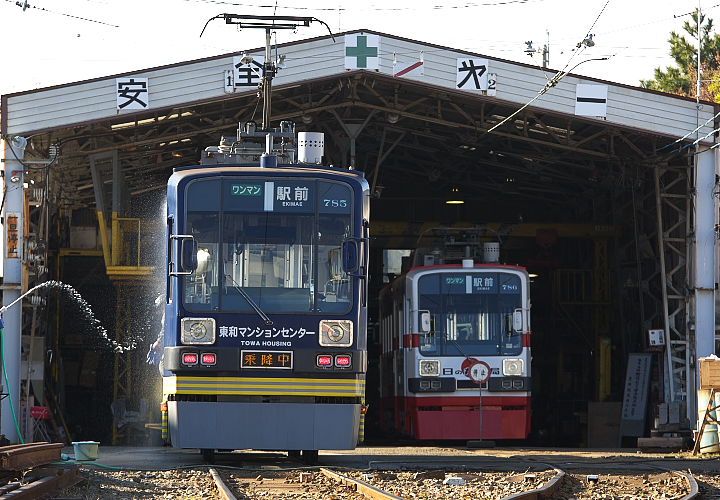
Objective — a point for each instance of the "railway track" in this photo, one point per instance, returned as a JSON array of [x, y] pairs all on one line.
[[26, 471], [385, 485], [392, 485], [286, 479]]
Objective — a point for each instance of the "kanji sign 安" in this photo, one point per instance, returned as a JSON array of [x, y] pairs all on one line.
[[132, 93]]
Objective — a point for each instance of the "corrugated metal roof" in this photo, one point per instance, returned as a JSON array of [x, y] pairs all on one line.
[[202, 80]]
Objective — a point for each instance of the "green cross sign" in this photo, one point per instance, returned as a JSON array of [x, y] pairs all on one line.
[[361, 51]]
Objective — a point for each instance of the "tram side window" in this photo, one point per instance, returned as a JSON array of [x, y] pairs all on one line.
[[200, 289], [334, 283]]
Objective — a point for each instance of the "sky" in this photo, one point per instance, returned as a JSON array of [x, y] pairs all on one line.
[[54, 42]]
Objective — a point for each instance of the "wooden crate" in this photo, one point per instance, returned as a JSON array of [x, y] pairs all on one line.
[[709, 373]]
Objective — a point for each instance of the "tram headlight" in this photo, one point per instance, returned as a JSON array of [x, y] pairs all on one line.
[[197, 331], [429, 367], [513, 367], [336, 333]]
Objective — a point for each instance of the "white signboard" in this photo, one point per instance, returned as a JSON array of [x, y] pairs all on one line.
[[408, 65], [591, 100], [492, 84], [362, 51], [247, 71], [635, 397], [471, 74], [132, 93]]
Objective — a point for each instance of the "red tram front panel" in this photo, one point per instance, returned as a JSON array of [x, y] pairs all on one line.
[[456, 353]]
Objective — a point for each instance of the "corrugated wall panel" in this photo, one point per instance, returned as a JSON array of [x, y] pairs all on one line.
[[176, 86]]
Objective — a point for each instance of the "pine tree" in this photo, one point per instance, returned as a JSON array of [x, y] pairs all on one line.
[[682, 79]]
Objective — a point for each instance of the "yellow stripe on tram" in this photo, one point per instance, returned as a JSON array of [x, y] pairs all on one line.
[[263, 393], [267, 386], [259, 386], [268, 380]]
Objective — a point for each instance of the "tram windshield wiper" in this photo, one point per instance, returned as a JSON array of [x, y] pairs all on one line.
[[246, 296]]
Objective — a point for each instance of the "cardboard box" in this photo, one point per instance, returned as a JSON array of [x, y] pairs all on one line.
[[710, 373]]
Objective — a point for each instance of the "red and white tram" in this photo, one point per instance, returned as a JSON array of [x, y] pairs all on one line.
[[455, 352]]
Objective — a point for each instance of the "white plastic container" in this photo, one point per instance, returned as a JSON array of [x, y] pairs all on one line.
[[85, 450], [311, 146]]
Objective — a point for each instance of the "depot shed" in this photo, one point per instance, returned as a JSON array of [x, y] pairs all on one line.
[[604, 191]]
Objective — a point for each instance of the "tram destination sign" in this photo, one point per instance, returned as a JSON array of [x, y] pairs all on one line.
[[279, 360], [296, 195]]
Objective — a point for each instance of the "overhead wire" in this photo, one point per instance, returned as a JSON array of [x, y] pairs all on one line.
[[414, 8], [25, 5], [581, 46]]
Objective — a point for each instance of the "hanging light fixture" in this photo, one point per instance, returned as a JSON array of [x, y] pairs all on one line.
[[455, 198]]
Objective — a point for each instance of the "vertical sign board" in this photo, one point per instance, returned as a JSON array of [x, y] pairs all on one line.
[[13, 236], [637, 383]]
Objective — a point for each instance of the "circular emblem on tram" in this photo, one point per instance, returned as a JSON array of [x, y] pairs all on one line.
[[476, 370]]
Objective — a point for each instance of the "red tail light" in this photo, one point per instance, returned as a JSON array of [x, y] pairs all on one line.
[[208, 358], [190, 358], [324, 360], [343, 360]]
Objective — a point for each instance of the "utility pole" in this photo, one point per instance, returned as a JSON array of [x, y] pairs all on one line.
[[12, 287], [544, 51]]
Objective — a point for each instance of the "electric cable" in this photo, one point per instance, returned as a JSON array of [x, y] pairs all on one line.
[[26, 166], [691, 133], [581, 46], [7, 382], [25, 5], [465, 5]]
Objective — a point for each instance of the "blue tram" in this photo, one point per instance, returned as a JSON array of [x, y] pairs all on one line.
[[265, 319]]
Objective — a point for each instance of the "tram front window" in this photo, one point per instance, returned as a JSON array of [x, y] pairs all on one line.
[[270, 257], [283, 262], [471, 314]]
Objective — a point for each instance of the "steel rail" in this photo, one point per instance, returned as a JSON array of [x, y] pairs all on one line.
[[45, 487], [223, 489], [694, 490], [545, 491], [19, 457], [366, 489]]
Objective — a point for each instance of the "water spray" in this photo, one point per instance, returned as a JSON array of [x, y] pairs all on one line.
[[84, 308]]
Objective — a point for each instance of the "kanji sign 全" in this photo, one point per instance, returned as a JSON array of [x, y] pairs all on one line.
[[247, 71]]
